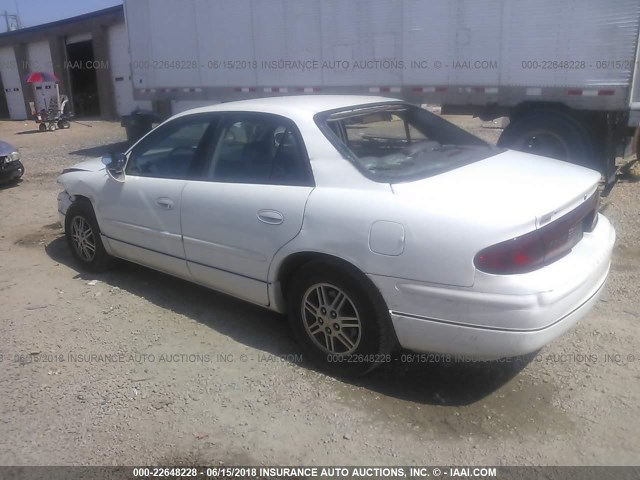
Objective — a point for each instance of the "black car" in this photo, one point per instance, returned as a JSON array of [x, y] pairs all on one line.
[[11, 168]]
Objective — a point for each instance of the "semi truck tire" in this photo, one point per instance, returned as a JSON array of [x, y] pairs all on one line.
[[552, 134]]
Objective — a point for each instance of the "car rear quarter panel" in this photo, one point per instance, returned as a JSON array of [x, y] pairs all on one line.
[[438, 245]]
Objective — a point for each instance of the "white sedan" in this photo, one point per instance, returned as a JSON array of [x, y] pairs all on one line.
[[371, 222]]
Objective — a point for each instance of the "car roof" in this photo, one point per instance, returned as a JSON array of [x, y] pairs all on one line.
[[294, 105]]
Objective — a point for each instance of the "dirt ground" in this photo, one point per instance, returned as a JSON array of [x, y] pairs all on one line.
[[135, 367]]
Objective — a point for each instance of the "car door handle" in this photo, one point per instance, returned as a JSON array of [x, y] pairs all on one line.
[[271, 217], [165, 203]]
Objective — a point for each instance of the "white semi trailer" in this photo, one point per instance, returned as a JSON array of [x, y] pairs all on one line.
[[565, 72]]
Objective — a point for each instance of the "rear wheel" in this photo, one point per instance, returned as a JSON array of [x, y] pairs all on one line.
[[62, 124], [552, 134], [83, 237], [42, 127], [340, 319]]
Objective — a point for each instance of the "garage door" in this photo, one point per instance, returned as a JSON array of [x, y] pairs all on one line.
[[39, 55], [11, 84]]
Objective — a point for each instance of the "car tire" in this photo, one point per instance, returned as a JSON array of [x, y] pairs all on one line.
[[83, 237], [553, 134], [349, 333]]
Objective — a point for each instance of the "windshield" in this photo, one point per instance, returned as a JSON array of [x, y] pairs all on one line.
[[399, 142]]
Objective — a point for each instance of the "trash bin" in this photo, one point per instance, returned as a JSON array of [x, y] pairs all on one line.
[[137, 124]]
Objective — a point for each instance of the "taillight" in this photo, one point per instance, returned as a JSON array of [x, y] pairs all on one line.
[[518, 255], [541, 247]]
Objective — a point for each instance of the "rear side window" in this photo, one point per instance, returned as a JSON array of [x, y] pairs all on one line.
[[263, 149], [399, 142]]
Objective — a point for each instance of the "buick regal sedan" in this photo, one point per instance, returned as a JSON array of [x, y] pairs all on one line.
[[372, 223]]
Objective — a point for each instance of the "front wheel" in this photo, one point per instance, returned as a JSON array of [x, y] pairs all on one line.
[[340, 319], [83, 237]]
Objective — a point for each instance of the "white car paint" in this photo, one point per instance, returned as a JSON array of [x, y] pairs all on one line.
[[416, 241], [240, 236], [135, 212]]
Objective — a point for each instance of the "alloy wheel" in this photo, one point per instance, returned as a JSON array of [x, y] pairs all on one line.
[[83, 239], [331, 319]]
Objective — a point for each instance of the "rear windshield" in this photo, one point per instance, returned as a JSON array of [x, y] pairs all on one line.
[[399, 142]]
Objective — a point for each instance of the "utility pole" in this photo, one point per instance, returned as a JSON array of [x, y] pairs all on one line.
[[11, 20], [18, 15]]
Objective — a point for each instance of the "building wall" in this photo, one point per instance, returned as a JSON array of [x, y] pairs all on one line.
[[44, 48]]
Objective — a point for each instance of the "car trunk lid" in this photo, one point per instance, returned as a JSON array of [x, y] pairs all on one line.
[[511, 186]]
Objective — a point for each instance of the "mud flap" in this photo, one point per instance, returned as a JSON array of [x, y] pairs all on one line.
[[610, 168]]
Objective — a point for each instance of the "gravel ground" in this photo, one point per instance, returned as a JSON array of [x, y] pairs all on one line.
[[134, 367]]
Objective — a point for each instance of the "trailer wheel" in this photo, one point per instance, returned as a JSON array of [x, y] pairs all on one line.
[[552, 134]]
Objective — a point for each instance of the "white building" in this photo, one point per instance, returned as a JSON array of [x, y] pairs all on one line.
[[90, 56]]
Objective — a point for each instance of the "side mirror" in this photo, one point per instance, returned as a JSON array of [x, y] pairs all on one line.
[[115, 163]]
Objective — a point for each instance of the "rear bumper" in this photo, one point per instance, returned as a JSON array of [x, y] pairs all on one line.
[[501, 316], [484, 343]]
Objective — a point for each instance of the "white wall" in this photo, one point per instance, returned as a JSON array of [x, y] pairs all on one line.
[[120, 62]]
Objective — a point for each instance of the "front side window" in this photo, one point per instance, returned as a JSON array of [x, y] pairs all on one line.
[[174, 150], [400, 142], [263, 149]]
